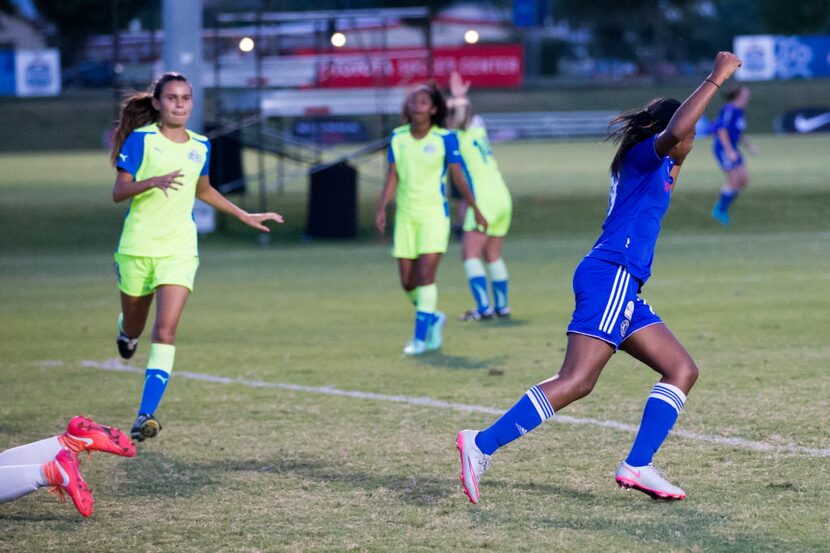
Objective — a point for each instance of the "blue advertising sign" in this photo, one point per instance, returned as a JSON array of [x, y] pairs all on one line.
[[768, 57], [530, 13], [7, 87]]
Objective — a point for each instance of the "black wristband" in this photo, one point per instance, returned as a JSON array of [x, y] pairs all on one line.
[[713, 82]]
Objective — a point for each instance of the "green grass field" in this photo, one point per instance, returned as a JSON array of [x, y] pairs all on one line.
[[260, 452]]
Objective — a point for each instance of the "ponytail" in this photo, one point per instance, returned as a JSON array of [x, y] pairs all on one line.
[[634, 126], [137, 111]]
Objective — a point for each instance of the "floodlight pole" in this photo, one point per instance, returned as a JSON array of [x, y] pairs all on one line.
[[182, 49]]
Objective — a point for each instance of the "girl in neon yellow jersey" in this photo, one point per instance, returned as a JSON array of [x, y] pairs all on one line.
[[161, 168], [421, 155], [493, 199]]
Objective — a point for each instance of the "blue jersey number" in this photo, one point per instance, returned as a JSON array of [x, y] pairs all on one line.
[[484, 149], [612, 195]]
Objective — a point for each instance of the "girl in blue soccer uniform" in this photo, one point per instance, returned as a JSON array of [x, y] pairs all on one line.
[[609, 313], [728, 136]]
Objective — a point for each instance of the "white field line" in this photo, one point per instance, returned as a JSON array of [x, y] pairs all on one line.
[[119, 366]]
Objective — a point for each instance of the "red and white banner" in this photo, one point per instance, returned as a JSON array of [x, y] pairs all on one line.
[[488, 66]]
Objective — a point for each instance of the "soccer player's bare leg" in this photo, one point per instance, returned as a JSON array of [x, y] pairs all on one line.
[[658, 348], [170, 302]]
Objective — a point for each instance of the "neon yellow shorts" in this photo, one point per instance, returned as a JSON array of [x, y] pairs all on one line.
[[140, 276], [498, 218], [415, 236]]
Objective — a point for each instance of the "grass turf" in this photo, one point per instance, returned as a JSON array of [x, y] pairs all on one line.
[[242, 468]]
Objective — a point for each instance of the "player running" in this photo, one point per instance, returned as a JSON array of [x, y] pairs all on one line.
[[493, 199], [161, 168], [421, 155], [54, 462], [609, 313], [728, 134]]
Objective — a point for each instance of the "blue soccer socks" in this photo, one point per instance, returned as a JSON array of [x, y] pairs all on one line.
[[528, 413], [727, 196], [426, 303], [156, 377], [661, 411], [474, 269], [498, 280]]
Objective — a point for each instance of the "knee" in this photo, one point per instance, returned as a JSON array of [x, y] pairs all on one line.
[[577, 387], [687, 373], [163, 335]]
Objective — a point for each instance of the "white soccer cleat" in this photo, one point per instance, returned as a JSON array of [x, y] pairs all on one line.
[[415, 347], [435, 338], [647, 480], [473, 463]]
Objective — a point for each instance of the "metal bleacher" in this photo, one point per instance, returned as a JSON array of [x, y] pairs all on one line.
[[547, 124]]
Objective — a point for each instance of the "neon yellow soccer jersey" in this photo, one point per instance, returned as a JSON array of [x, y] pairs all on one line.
[[159, 225], [483, 172], [422, 166]]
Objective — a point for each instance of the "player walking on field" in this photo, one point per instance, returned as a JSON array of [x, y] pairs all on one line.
[[421, 156], [161, 168], [493, 199], [728, 135], [609, 313]]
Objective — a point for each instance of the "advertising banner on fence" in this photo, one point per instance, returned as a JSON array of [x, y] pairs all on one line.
[[489, 66], [768, 57], [30, 73], [803, 121]]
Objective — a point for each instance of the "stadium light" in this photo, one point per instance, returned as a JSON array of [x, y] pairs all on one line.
[[471, 36], [246, 44], [338, 40]]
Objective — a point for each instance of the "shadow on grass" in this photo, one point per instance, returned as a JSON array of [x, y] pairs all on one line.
[[440, 360]]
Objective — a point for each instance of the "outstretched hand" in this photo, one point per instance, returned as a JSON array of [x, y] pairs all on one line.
[[256, 219], [170, 181], [458, 86]]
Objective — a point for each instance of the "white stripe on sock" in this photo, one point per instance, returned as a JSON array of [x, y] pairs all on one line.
[[672, 395]]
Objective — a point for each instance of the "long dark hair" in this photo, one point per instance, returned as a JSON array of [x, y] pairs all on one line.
[[137, 111], [430, 87], [632, 127]]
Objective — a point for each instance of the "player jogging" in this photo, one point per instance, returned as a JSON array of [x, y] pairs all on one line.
[[728, 135], [609, 313], [493, 199], [421, 156], [161, 168]]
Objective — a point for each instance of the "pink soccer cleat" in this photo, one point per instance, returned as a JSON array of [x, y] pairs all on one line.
[[83, 434], [63, 475]]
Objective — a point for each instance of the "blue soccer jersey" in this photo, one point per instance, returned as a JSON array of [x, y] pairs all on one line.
[[732, 119], [638, 200]]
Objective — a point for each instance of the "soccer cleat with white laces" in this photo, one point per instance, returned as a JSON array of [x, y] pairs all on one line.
[[473, 463], [435, 337], [648, 480], [126, 345], [415, 347]]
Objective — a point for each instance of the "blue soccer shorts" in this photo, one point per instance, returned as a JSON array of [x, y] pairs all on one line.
[[607, 304], [725, 163]]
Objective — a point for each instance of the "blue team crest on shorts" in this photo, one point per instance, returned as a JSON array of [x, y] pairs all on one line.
[[194, 156]]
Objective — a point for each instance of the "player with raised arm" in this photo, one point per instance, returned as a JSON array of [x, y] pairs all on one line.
[[728, 136], [493, 199], [161, 168], [422, 154], [609, 313]]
